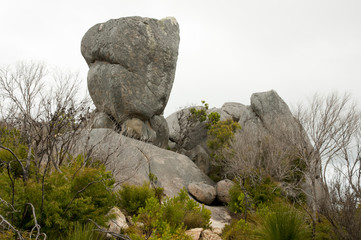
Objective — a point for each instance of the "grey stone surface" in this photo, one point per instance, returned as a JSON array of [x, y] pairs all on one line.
[[160, 126], [185, 134], [132, 64], [222, 189], [131, 160], [269, 104], [200, 157], [233, 109], [203, 192], [102, 120], [220, 216]]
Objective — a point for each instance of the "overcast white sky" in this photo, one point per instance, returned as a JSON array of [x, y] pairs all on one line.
[[229, 49]]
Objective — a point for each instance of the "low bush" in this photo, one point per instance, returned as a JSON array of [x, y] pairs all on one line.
[[237, 230], [285, 223], [254, 191], [132, 198], [74, 195], [84, 232], [169, 220], [182, 210]]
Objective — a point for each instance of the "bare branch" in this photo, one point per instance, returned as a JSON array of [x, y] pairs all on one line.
[[116, 235]]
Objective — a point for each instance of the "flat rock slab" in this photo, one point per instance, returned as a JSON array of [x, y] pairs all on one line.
[[131, 160]]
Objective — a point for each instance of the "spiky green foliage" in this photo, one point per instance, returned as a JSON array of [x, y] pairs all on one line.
[[285, 223], [83, 232]]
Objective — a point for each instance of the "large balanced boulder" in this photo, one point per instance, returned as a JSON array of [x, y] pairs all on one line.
[[132, 63]]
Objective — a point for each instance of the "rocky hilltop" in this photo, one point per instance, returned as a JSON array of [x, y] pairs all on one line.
[[132, 64]]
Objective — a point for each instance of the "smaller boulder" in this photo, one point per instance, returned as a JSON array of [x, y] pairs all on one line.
[[119, 221], [209, 235], [222, 189], [217, 231], [194, 233], [202, 192], [233, 109]]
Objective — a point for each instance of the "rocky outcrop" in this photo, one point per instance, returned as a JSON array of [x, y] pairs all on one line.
[[132, 64], [203, 192], [131, 160], [267, 112], [222, 189], [267, 118]]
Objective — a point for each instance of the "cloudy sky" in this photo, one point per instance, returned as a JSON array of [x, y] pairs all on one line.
[[229, 49]]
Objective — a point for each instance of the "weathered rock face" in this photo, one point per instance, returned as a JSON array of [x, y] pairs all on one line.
[[131, 160], [132, 64], [267, 116], [267, 110]]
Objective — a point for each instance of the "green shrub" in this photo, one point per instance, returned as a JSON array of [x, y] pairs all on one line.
[[259, 189], [262, 189], [155, 226], [285, 223], [182, 210], [237, 230], [221, 133], [169, 220], [324, 230], [240, 202], [68, 199], [132, 198]]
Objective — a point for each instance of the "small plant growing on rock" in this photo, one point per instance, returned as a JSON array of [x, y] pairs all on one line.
[[220, 133]]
